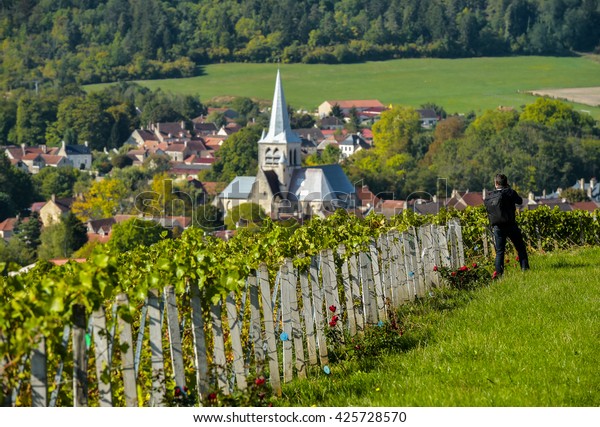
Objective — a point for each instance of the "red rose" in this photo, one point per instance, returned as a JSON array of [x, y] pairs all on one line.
[[464, 268], [333, 321], [177, 391], [435, 268], [453, 273], [259, 381], [212, 396], [495, 275], [474, 265], [517, 258], [332, 308]]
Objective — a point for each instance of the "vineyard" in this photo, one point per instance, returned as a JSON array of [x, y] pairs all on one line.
[[175, 323]]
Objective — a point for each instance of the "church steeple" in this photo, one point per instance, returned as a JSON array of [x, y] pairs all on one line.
[[280, 130]]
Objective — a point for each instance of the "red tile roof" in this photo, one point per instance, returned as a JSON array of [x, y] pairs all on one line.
[[358, 103]]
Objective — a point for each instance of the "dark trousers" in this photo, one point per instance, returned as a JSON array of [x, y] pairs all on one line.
[[512, 232]]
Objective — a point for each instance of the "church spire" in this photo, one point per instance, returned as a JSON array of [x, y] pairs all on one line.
[[280, 130]]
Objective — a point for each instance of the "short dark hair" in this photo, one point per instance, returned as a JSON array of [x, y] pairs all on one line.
[[501, 180]]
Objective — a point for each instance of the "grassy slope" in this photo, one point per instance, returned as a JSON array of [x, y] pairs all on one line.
[[528, 340], [459, 85]]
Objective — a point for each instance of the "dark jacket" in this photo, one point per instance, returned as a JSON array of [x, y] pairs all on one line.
[[509, 209]]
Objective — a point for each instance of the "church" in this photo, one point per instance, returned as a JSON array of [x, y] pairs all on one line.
[[282, 186]]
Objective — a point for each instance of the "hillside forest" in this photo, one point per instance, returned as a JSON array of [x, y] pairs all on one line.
[[85, 41]]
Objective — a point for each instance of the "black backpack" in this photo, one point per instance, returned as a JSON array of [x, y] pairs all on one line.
[[497, 205]]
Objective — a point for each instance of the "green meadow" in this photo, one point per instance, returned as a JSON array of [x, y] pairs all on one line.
[[528, 339], [459, 85]]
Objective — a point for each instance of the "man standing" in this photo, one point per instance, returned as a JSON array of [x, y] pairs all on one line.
[[501, 207]]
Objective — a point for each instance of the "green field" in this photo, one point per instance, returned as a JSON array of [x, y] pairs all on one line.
[[529, 339], [459, 85]]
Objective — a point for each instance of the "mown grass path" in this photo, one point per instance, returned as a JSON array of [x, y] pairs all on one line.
[[528, 339]]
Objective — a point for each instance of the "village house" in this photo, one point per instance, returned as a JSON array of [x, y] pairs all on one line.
[[428, 118], [367, 201], [367, 109], [7, 227], [55, 209], [351, 144], [80, 156], [331, 123]]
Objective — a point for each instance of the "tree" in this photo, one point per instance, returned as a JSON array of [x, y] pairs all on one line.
[[136, 232], [244, 215], [492, 122], [557, 114], [103, 200], [336, 111], [57, 181], [573, 195], [238, 156], [161, 200], [16, 251], [353, 124], [62, 239], [121, 161], [33, 116], [330, 155], [208, 217], [394, 132], [29, 231], [16, 189]]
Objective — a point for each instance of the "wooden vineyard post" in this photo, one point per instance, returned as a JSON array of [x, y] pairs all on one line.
[[309, 323], [330, 289], [357, 303], [410, 262], [255, 324], [200, 352], [368, 291], [295, 316], [236, 342], [418, 265], [286, 320], [175, 337], [397, 272], [317, 294], [39, 375], [127, 360], [158, 392], [267, 305], [435, 253], [457, 254], [219, 359], [347, 291], [80, 384], [6, 392], [102, 360], [459, 239], [443, 242], [379, 296], [61, 364], [386, 269], [427, 257]]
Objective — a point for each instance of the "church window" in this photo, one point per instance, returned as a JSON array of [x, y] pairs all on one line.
[[268, 157]]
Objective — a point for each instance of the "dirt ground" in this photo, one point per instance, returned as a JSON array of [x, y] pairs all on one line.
[[583, 95]]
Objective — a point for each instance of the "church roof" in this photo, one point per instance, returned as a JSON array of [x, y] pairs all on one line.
[[324, 182], [239, 188], [280, 130]]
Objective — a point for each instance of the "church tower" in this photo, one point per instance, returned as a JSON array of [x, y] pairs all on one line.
[[279, 148]]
